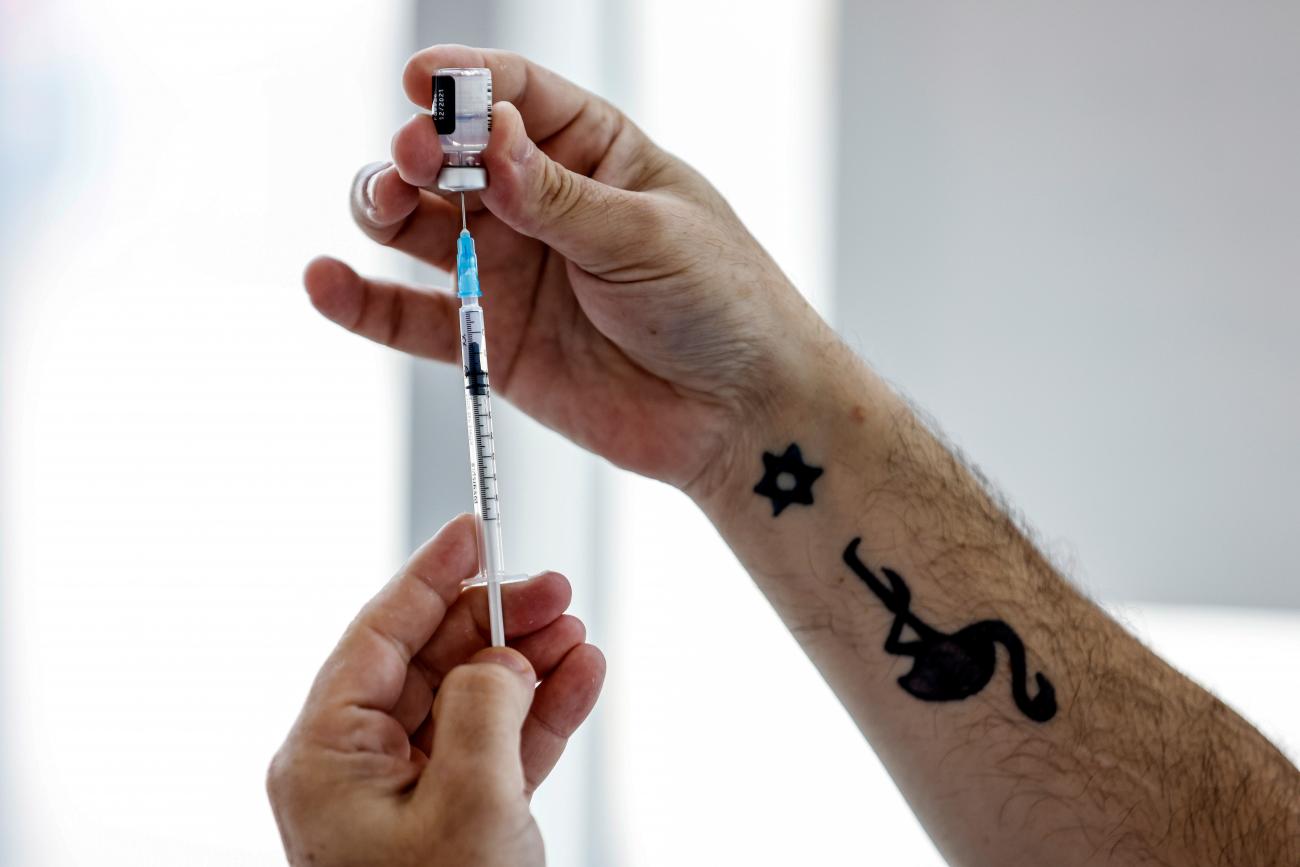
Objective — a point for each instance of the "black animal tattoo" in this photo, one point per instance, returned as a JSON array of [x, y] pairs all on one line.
[[787, 479], [951, 667]]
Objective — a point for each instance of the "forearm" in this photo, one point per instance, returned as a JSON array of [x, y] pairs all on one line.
[[1023, 725]]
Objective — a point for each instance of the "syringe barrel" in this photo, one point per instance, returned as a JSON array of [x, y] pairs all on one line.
[[482, 459]]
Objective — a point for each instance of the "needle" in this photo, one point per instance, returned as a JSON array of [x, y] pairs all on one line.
[[462, 212]]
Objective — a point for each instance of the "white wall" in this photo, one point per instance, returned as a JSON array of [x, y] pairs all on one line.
[[200, 478], [1072, 232], [727, 746]]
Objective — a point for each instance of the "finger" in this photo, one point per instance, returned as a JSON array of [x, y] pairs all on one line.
[[560, 704], [546, 647], [368, 669], [418, 321], [595, 225], [550, 102], [575, 127], [417, 152], [477, 719], [399, 215], [413, 706], [380, 200], [417, 159], [528, 606]]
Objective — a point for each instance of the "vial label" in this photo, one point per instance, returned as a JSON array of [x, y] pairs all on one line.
[[444, 104], [461, 110]]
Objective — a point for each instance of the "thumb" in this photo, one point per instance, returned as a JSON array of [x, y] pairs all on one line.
[[477, 718], [594, 225]]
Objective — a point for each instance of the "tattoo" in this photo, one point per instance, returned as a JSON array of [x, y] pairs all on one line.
[[951, 667], [787, 479]]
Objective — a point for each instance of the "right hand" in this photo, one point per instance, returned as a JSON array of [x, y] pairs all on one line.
[[628, 307]]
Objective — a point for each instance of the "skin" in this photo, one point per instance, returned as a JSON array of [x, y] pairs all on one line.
[[421, 745], [620, 279]]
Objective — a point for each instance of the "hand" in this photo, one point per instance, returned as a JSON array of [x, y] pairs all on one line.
[[420, 745], [628, 307]]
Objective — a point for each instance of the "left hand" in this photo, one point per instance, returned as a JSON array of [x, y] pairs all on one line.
[[418, 744], [630, 309]]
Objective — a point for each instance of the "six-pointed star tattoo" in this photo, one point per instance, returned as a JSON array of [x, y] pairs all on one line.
[[787, 479]]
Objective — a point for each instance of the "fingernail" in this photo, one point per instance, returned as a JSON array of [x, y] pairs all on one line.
[[505, 657], [368, 190]]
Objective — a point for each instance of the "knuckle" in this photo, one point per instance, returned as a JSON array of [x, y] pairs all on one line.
[[281, 775], [646, 229], [477, 680], [512, 63], [652, 222], [561, 192]]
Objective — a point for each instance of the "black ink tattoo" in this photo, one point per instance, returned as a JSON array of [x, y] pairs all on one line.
[[787, 479], [951, 667]]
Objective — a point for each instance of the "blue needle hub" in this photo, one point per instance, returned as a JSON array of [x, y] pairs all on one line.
[[466, 267]]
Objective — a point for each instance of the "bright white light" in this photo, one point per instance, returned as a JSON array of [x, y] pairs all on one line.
[[203, 479]]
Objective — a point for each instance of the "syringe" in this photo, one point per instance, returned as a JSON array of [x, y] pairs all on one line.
[[478, 416]]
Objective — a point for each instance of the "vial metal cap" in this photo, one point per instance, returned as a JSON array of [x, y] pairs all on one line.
[[462, 179]]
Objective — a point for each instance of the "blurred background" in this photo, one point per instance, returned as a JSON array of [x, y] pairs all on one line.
[[1069, 230]]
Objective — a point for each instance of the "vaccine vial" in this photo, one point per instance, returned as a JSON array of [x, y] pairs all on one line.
[[462, 115]]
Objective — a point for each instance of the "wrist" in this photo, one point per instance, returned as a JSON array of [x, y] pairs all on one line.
[[815, 394]]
